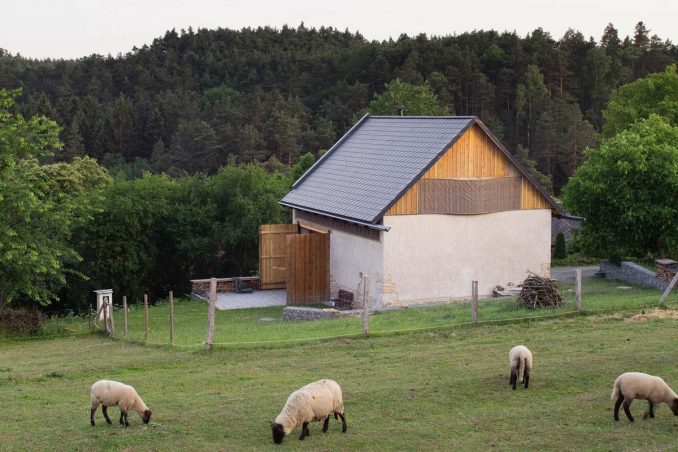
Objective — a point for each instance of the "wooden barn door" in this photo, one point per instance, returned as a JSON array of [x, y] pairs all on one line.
[[308, 268], [273, 254]]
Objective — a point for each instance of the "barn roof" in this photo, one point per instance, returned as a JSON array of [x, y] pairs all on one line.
[[376, 161]]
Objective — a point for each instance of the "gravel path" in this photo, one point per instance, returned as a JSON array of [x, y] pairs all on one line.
[[564, 274]]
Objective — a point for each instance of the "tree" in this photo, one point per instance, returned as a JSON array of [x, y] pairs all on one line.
[[626, 191], [417, 100], [531, 101], [656, 93], [39, 205]]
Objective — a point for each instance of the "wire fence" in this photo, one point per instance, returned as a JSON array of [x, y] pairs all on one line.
[[155, 324]]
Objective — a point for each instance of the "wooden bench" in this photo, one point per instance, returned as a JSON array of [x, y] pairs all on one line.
[[344, 300]]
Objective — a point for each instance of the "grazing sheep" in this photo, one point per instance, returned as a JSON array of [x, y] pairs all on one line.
[[313, 402], [520, 359], [637, 385], [110, 393]]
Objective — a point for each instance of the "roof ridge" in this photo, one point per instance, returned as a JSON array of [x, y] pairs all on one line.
[[423, 117]]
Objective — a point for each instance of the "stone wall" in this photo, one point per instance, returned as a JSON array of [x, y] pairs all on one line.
[[632, 273], [303, 313]]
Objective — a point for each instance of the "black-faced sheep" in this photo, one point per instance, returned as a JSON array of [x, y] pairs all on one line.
[[520, 360], [637, 385], [111, 393], [313, 402]]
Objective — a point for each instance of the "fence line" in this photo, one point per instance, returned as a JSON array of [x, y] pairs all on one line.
[[474, 320], [416, 329]]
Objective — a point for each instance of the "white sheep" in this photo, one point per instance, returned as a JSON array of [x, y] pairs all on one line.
[[313, 402], [110, 393], [637, 385], [520, 360]]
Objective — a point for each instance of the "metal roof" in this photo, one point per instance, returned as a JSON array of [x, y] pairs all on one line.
[[375, 162]]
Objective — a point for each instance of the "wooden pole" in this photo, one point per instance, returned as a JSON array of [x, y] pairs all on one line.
[[171, 318], [210, 313], [578, 290], [124, 314], [668, 289], [366, 304], [90, 319], [474, 301], [111, 320], [145, 317], [104, 306]]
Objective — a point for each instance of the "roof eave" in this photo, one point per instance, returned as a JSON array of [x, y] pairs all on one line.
[[376, 226]]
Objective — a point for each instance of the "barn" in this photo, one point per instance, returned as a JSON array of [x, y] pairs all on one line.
[[422, 205]]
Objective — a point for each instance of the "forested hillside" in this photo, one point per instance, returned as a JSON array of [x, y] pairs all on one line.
[[195, 100]]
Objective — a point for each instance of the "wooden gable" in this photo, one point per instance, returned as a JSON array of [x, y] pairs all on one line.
[[473, 156]]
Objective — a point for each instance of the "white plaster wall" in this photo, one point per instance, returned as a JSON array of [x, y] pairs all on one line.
[[435, 257], [350, 255]]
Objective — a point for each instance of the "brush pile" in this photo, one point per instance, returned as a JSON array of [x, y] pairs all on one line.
[[538, 292]]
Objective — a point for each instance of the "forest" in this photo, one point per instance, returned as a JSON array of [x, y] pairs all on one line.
[[142, 171], [193, 101]]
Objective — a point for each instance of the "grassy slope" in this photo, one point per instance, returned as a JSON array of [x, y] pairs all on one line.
[[442, 390]]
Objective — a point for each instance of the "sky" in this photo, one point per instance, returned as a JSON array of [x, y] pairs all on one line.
[[77, 28]]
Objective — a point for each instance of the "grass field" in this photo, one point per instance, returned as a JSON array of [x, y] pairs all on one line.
[[240, 328], [441, 390]]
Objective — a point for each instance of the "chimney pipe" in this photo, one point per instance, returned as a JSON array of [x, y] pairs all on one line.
[[400, 110]]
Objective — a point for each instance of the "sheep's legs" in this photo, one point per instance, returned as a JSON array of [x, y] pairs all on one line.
[[514, 378], [617, 404], [104, 409], [651, 409], [123, 418], [343, 422], [91, 413], [326, 424], [527, 376], [627, 404], [304, 431]]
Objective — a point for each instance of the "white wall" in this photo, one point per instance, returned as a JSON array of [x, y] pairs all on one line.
[[431, 258], [350, 255]]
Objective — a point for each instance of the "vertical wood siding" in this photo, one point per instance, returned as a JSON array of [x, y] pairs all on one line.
[[473, 156]]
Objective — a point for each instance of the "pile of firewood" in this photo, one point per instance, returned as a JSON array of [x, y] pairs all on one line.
[[666, 269], [539, 292]]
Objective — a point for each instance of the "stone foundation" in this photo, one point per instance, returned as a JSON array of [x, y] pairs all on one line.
[[303, 313]]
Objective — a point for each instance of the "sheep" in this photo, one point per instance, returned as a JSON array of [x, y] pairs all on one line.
[[637, 385], [313, 402], [109, 393], [520, 360]]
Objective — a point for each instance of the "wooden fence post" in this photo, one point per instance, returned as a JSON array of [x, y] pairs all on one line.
[[91, 319], [210, 313], [366, 305], [124, 314], [110, 325], [145, 317], [171, 318], [577, 292], [668, 289], [474, 301], [104, 306]]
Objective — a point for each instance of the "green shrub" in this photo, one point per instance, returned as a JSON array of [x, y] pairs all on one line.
[[559, 251]]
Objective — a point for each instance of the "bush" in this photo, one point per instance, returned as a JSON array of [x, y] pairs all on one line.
[[559, 251], [20, 321]]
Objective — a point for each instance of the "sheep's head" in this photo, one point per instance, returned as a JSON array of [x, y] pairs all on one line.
[[278, 432], [146, 417], [674, 406]]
